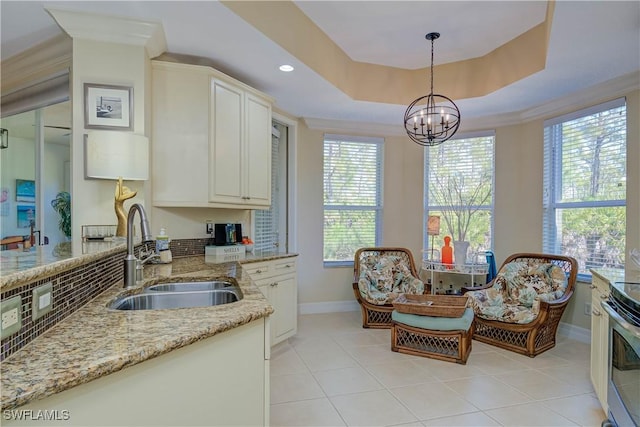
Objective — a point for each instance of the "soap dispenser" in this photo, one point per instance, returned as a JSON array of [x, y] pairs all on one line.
[[162, 246]]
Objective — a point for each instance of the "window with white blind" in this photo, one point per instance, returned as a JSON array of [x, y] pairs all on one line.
[[585, 185], [352, 196], [270, 224], [458, 188]]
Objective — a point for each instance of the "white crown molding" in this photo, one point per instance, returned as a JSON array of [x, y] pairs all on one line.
[[41, 62], [596, 94], [610, 89], [361, 128], [112, 29]]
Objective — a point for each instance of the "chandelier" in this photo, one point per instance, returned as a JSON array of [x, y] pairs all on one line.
[[431, 119]]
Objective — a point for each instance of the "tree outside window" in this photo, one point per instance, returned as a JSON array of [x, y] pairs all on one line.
[[585, 186], [352, 196], [459, 188]]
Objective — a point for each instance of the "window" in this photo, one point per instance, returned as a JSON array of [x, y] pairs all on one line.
[[459, 189], [352, 196], [270, 225], [585, 186]]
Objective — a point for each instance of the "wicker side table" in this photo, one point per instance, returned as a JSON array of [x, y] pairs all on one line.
[[442, 338]]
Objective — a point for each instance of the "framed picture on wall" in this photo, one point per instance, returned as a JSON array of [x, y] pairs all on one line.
[[25, 190], [26, 214], [108, 107]]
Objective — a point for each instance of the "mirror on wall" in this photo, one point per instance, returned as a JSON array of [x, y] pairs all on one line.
[[35, 178]]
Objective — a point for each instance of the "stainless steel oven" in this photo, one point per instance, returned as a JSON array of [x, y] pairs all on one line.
[[623, 391]]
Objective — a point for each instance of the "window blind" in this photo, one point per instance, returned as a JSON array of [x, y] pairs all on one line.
[[458, 187], [352, 195], [266, 233], [585, 185]]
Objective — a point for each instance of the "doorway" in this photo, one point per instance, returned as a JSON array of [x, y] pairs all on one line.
[[36, 169]]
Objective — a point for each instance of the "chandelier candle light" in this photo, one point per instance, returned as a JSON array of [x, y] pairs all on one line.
[[431, 119]]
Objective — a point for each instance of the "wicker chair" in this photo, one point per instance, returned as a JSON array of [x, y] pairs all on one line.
[[539, 335], [378, 316]]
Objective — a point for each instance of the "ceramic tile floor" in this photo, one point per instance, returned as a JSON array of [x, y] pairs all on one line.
[[335, 373]]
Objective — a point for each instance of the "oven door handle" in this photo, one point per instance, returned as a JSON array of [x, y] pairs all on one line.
[[633, 330]]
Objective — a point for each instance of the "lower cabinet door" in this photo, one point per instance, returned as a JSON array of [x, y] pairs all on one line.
[[281, 291], [284, 298]]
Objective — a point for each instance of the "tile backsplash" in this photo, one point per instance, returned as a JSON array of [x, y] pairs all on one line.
[[74, 288]]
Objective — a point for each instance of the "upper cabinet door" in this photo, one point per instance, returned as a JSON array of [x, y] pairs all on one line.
[[211, 140], [226, 156], [258, 151], [180, 135]]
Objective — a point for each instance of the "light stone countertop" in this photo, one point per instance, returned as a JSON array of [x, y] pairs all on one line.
[[18, 267], [96, 341]]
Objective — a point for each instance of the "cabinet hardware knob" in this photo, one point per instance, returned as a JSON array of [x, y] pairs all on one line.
[[592, 286], [604, 296], [258, 271], [273, 284], [595, 312]]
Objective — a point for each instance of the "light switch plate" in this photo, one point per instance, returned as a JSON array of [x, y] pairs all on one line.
[[11, 316], [42, 301]]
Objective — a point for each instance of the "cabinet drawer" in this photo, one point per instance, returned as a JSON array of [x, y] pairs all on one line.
[[258, 270], [266, 269], [284, 266]]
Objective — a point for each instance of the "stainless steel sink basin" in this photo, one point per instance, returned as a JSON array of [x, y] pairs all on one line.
[[190, 286], [166, 300]]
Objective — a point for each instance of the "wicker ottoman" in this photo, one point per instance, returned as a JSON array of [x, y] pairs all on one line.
[[444, 338]]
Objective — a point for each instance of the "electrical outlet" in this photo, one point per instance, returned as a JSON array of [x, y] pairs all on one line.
[[42, 301], [587, 308], [11, 314], [209, 227]]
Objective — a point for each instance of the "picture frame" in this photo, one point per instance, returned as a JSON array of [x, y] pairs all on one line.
[[25, 190], [25, 215], [108, 107]]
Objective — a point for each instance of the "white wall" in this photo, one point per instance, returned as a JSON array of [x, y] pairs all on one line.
[[102, 63]]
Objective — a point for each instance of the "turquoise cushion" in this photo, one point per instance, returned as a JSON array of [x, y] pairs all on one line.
[[435, 323]]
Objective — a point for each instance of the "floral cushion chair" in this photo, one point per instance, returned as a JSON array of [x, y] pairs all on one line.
[[380, 275], [520, 310], [517, 291]]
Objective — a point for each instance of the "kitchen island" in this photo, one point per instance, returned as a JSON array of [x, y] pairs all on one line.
[[196, 359]]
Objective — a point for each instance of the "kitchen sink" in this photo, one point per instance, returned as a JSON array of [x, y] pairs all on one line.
[[167, 300], [190, 286]]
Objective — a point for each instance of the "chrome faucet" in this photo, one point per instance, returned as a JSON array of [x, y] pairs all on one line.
[[130, 261]]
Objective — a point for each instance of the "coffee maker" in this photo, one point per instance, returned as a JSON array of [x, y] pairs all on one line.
[[227, 234]]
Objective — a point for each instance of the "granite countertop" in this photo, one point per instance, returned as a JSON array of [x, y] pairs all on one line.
[[96, 341], [17, 266]]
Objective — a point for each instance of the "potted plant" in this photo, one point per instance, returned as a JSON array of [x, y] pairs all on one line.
[[62, 205]]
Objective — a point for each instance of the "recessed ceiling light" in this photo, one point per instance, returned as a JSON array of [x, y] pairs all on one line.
[[286, 68]]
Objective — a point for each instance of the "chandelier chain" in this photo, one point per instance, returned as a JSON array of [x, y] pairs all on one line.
[[431, 88]]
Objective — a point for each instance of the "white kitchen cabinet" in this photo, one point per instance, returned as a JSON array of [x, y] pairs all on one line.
[[278, 282], [180, 135], [599, 340], [240, 150], [211, 139]]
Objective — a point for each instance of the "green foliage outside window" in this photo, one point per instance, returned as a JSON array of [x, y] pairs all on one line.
[[459, 178], [352, 197]]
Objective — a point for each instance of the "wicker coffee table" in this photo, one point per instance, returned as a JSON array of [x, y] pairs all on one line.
[[444, 338]]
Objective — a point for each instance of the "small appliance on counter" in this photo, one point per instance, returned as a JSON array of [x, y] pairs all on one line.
[[227, 234], [227, 243]]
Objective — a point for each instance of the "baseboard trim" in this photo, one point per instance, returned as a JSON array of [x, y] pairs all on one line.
[[327, 307], [565, 329], [575, 332]]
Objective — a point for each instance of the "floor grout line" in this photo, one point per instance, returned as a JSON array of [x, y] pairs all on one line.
[[338, 339]]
